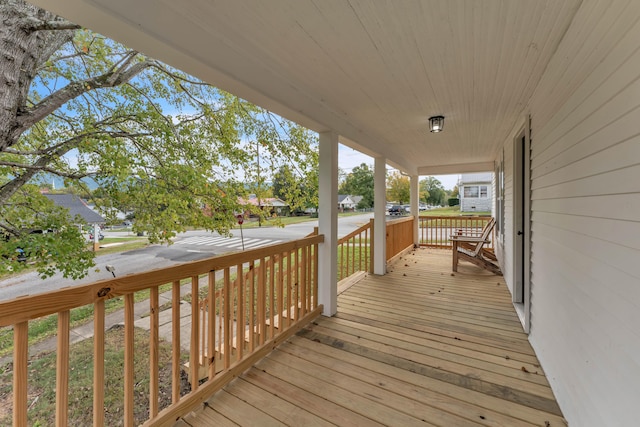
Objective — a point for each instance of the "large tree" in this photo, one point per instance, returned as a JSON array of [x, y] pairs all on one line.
[[297, 187], [360, 183], [434, 190], [168, 147], [398, 188]]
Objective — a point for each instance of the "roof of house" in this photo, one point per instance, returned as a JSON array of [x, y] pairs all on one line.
[[76, 206], [474, 178], [264, 201]]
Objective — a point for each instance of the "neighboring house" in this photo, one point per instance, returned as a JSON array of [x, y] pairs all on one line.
[[345, 202], [76, 207], [348, 202], [475, 192], [269, 204]]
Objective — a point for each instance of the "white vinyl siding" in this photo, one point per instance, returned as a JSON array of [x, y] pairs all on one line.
[[504, 248], [585, 181]]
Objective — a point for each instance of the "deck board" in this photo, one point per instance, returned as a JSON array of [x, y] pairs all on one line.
[[418, 346]]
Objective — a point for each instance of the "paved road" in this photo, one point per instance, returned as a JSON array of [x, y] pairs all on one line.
[[189, 246]]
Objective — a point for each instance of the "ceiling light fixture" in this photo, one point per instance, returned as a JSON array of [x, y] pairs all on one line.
[[436, 123]]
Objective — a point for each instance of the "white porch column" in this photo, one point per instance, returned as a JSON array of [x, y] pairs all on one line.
[[328, 223], [415, 211], [380, 223]]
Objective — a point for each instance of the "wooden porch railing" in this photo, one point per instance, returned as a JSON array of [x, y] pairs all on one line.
[[355, 251], [434, 231], [399, 236], [272, 296]]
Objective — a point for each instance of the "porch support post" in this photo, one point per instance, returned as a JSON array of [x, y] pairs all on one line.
[[328, 223], [415, 212], [380, 220]]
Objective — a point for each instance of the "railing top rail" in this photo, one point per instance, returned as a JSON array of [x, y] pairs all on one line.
[[399, 220], [354, 233], [34, 306], [461, 217]]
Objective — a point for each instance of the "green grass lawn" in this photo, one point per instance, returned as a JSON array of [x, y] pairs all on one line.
[[42, 382]]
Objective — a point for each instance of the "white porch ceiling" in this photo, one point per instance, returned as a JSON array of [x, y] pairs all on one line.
[[371, 70]]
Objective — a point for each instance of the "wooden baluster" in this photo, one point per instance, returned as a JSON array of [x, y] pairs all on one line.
[[203, 331], [211, 330], [154, 351], [129, 351], [296, 285], [272, 287], [350, 257], [262, 317], [175, 338], [240, 322], [360, 252], [194, 357], [220, 330], [98, 363], [303, 282], [227, 318], [62, 369], [309, 277], [315, 275], [252, 306], [289, 287], [20, 366], [369, 238], [280, 297]]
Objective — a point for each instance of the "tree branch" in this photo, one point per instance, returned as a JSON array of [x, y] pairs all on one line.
[[46, 169], [52, 102], [34, 24]]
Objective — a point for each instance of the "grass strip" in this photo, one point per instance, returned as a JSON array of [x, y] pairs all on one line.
[[42, 382]]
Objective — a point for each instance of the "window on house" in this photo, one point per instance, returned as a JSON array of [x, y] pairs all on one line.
[[470, 191], [475, 191]]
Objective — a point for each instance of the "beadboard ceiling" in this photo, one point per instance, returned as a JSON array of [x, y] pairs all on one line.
[[371, 70]]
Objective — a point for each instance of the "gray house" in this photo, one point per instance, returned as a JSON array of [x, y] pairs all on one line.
[[476, 193]]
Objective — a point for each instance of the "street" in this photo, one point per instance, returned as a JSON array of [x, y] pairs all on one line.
[[189, 246]]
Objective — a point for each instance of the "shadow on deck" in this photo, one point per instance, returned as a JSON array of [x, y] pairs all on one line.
[[418, 346]]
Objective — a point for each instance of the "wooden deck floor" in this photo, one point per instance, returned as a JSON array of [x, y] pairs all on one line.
[[419, 346]]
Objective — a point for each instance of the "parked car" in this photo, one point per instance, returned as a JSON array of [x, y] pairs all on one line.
[[100, 236], [396, 210]]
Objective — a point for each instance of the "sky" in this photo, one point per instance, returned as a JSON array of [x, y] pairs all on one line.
[[348, 158]]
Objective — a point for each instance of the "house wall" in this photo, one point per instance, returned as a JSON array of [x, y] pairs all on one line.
[[585, 224], [476, 204], [504, 244]]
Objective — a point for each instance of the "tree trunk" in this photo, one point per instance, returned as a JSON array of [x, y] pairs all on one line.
[[24, 48]]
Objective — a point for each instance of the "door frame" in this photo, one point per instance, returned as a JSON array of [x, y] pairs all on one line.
[[521, 252]]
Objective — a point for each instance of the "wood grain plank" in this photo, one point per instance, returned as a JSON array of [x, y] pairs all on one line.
[[241, 412], [310, 401], [463, 394], [274, 405]]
